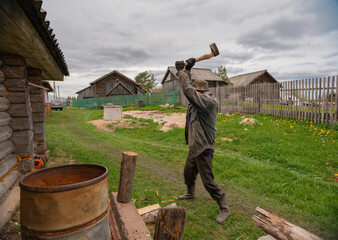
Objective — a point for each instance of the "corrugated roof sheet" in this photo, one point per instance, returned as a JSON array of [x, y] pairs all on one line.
[[37, 16], [196, 73]]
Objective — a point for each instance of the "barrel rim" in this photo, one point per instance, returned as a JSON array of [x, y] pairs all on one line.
[[64, 188]]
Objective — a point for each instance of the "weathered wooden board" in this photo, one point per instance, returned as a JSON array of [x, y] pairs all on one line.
[[147, 209], [5, 118], [22, 137], [5, 133], [170, 224], [18, 97], [21, 124], [6, 148], [38, 107], [15, 72], [20, 110], [16, 85], [7, 164], [280, 228], [4, 104]]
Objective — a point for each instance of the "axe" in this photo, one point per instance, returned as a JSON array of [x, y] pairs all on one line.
[[214, 53]]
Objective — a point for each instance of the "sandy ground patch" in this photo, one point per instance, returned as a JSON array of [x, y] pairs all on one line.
[[167, 120]]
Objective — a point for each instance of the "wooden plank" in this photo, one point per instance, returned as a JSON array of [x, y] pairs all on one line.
[[336, 104], [312, 98], [327, 100], [147, 209], [331, 100], [5, 133], [322, 101], [5, 118], [306, 99], [127, 172], [280, 228], [151, 216], [316, 100], [170, 224]]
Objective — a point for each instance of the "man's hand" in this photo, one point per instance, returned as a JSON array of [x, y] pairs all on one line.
[[179, 65], [191, 63]]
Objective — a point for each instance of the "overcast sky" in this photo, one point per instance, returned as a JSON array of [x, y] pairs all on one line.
[[292, 39]]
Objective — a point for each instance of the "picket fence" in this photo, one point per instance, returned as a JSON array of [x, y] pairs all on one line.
[[314, 99]]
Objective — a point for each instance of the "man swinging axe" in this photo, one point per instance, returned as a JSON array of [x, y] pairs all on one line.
[[200, 131]]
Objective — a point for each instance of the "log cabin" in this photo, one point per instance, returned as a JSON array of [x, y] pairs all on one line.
[[111, 84], [29, 54]]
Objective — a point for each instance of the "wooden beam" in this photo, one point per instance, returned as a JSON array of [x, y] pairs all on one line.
[[147, 209], [280, 228]]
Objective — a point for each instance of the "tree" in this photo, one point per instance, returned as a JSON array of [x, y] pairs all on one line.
[[146, 80], [222, 73]]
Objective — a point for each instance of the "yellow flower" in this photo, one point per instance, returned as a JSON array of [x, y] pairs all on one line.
[[327, 163]]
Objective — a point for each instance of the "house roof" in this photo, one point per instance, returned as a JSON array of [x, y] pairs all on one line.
[[47, 85], [112, 72], [37, 16], [83, 89], [117, 85], [196, 73], [246, 79]]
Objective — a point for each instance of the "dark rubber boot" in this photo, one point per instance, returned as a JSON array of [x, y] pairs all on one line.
[[224, 210], [189, 195]]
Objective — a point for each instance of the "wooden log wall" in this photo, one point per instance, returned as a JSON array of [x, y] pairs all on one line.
[[307, 99], [38, 111]]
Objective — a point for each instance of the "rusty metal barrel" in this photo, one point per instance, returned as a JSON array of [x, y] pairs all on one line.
[[65, 202]]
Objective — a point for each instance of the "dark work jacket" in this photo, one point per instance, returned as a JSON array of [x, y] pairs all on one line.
[[200, 128]]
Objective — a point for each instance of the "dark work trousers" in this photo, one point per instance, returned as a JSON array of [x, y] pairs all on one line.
[[202, 164]]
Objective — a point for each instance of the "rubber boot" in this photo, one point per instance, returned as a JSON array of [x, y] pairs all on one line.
[[224, 210], [189, 195]]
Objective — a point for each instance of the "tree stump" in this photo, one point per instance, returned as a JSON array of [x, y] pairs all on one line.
[[127, 172], [170, 224]]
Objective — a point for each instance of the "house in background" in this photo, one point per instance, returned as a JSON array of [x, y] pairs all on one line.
[[170, 81], [111, 84], [29, 54], [244, 80]]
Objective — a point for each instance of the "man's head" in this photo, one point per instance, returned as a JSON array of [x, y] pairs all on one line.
[[200, 85]]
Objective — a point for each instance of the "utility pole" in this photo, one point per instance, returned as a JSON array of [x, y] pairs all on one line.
[[58, 91], [54, 88]]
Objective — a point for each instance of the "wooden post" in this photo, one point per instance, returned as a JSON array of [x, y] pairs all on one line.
[[127, 172], [170, 224], [280, 228]]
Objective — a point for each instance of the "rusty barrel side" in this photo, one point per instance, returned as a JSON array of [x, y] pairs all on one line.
[[65, 202]]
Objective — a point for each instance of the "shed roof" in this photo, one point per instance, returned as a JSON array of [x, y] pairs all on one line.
[[196, 73], [112, 72], [83, 89], [47, 85], [246, 79]]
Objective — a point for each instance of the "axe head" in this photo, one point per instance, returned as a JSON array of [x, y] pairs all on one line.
[[214, 49]]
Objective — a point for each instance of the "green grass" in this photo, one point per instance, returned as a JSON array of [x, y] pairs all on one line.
[[283, 165]]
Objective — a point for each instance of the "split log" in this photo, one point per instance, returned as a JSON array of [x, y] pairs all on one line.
[[38, 107], [20, 110], [22, 137], [2, 77], [15, 72], [16, 85], [280, 228], [21, 124], [3, 90], [5, 118], [127, 172], [8, 183], [18, 97], [5, 133], [4, 104], [6, 148], [151, 216], [7, 164], [39, 128], [170, 224]]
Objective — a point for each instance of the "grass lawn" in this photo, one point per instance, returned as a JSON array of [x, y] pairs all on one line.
[[286, 166]]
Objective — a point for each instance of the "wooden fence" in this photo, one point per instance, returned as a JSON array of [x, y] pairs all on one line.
[[314, 99]]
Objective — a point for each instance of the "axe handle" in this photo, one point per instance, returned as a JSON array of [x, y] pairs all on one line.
[[205, 56]]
